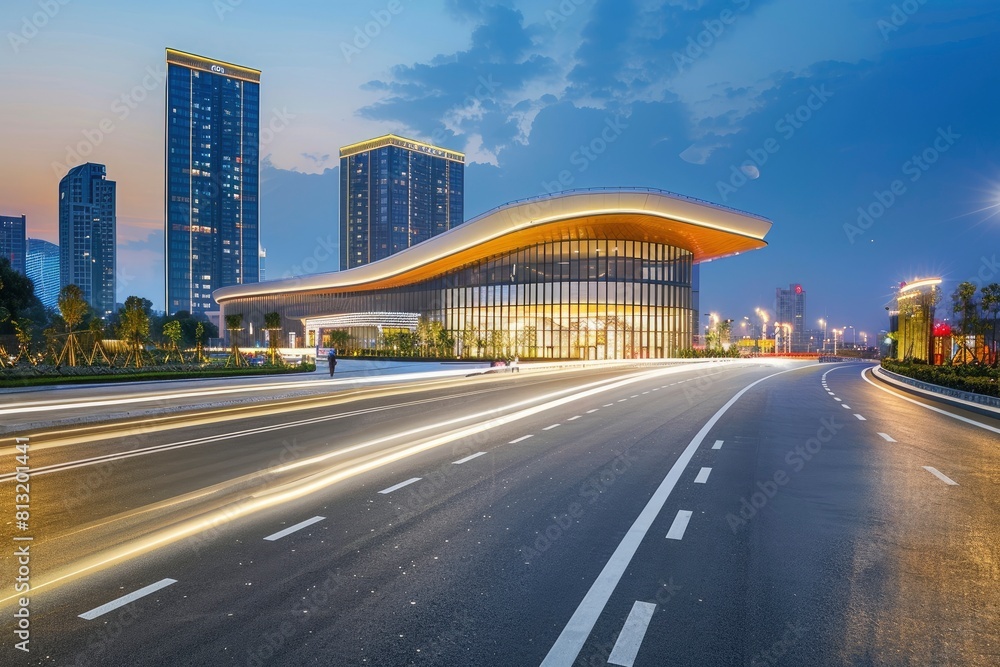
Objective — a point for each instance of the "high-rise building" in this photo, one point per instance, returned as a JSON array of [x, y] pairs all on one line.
[[12, 240], [395, 193], [43, 269], [87, 226], [212, 179], [790, 316]]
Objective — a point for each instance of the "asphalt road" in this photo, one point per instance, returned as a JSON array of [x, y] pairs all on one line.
[[743, 514]]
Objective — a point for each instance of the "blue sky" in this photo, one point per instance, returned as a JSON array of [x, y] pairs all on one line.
[[803, 112]]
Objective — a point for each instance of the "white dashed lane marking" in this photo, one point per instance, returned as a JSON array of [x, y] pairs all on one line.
[[679, 525], [125, 599], [292, 529], [941, 476], [396, 487]]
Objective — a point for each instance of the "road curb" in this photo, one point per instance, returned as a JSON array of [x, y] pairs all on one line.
[[987, 406]]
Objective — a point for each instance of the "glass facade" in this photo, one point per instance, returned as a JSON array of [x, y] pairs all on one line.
[[43, 269], [13, 241], [583, 299], [87, 235], [395, 193], [212, 180]]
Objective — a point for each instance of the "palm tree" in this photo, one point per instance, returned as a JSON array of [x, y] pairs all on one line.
[[234, 325], [73, 308], [133, 328], [965, 309], [991, 306], [272, 324]]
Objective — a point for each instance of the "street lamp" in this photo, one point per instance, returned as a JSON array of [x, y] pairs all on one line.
[[822, 323], [835, 334]]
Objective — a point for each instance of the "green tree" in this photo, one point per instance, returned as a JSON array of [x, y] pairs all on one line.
[[172, 332], [17, 295], [966, 309], [199, 342], [133, 328], [272, 324], [991, 307], [73, 308], [234, 325], [338, 339]]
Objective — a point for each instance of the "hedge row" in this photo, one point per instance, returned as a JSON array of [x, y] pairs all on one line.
[[972, 378]]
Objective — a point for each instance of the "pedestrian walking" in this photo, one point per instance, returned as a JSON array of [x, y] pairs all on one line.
[[332, 360]]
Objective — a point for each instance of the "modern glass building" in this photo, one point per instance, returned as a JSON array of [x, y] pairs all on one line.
[[212, 179], [394, 194], [43, 270], [596, 274], [87, 235], [12, 240], [790, 318]]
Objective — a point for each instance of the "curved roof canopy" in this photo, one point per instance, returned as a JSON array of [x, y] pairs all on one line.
[[707, 230]]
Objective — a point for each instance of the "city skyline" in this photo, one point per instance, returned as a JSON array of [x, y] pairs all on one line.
[[890, 119]]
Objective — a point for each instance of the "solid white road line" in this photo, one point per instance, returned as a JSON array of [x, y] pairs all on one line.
[[574, 635], [521, 439], [467, 459], [573, 418], [397, 487], [702, 477], [125, 599], [931, 407], [718, 444], [549, 428], [590, 412], [679, 525], [291, 529], [887, 437], [860, 418], [630, 638], [944, 478]]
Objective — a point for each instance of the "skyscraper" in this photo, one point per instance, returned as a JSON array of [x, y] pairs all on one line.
[[12, 243], [395, 193], [43, 269], [790, 315], [87, 227], [212, 179]]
